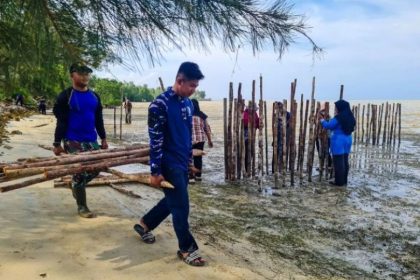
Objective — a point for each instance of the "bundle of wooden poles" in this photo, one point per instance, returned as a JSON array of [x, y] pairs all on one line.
[[26, 172]]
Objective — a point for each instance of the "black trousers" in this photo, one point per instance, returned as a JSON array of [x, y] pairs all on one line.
[[341, 169], [198, 160]]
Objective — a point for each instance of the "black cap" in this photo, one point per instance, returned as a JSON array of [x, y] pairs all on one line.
[[79, 67]]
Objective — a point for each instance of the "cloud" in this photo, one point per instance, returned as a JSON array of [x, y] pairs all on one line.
[[371, 46]]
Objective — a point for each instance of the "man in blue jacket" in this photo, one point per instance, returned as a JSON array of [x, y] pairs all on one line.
[[170, 133], [79, 122]]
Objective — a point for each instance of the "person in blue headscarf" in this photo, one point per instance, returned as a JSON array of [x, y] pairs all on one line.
[[341, 126]]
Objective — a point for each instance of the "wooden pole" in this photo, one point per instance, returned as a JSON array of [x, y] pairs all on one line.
[[248, 147], [162, 87], [260, 135], [367, 124], [284, 135], [321, 132], [225, 138], [305, 121], [266, 137], [234, 138], [358, 122], [363, 124], [391, 131], [374, 122], [293, 144], [317, 137], [238, 132], [121, 114], [253, 131], [300, 133], [326, 151], [399, 123], [385, 124], [380, 115], [311, 142], [242, 141], [395, 124], [230, 155], [275, 150], [341, 92]]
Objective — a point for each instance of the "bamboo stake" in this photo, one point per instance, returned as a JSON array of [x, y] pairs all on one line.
[[141, 178], [67, 184], [225, 138], [368, 124], [363, 124], [284, 140], [385, 124], [374, 120], [293, 144], [399, 123], [121, 114], [325, 140], [266, 137], [311, 142], [115, 122], [391, 132], [234, 138], [358, 122], [242, 141], [162, 87], [395, 125], [248, 147], [230, 155], [380, 115], [261, 143], [253, 131], [320, 135], [305, 121], [275, 135], [238, 132], [300, 133]]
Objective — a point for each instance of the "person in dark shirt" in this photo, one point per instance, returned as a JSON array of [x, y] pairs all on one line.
[[170, 132], [127, 106], [79, 122]]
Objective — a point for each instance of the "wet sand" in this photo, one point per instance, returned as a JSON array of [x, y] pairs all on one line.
[[368, 230], [42, 236]]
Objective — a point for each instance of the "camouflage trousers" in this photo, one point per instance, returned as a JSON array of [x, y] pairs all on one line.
[[73, 147]]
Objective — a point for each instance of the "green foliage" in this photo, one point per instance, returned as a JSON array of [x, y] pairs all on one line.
[[39, 39]]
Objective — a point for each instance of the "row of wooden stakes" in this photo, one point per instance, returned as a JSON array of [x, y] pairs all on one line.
[[289, 158]]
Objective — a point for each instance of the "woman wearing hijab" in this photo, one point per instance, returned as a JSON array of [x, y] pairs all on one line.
[[341, 126], [200, 132]]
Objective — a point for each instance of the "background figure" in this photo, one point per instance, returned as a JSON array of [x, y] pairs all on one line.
[[128, 106], [19, 99], [247, 134], [42, 106], [79, 122], [200, 130], [341, 126]]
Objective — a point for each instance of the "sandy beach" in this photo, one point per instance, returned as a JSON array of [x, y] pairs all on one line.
[[43, 237], [367, 231]]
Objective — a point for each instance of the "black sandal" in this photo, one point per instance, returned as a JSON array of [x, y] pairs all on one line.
[[193, 258], [146, 236]]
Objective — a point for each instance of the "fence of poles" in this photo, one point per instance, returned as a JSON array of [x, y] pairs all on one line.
[[296, 135]]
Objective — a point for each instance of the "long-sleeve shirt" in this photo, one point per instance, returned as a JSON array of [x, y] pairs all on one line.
[[201, 129], [170, 129], [79, 116], [340, 142]]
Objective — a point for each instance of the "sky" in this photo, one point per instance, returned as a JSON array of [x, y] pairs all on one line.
[[372, 47]]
